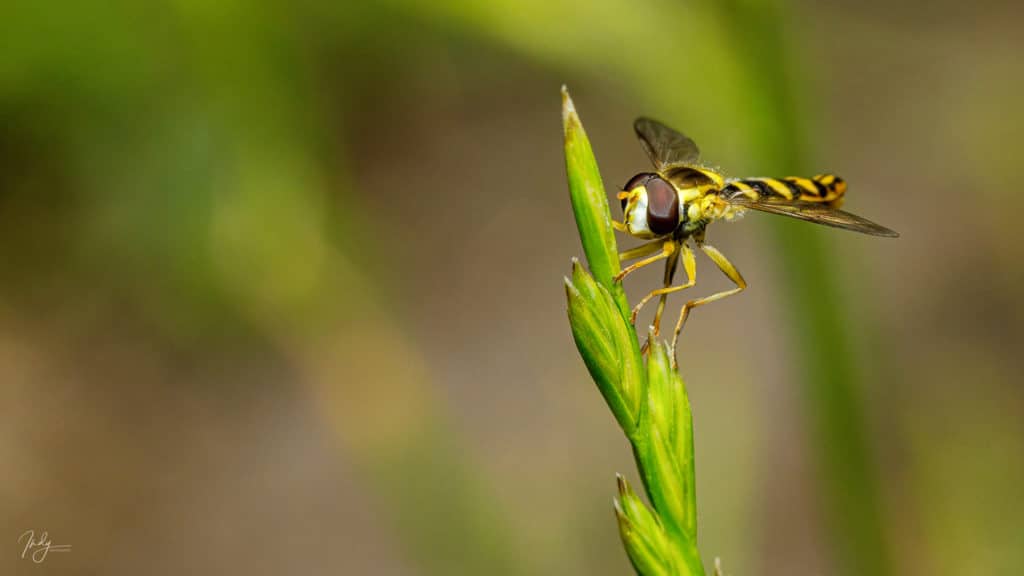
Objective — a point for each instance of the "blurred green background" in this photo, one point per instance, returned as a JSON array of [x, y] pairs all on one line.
[[280, 285]]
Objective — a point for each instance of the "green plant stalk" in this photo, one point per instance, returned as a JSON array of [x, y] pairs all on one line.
[[648, 401], [590, 204]]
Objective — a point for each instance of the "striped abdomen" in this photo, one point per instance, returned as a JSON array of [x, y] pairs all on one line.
[[825, 188]]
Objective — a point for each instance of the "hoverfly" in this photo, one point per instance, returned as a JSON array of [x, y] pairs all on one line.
[[677, 202]]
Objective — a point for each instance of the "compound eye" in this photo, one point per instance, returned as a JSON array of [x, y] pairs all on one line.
[[634, 182], [662, 206]]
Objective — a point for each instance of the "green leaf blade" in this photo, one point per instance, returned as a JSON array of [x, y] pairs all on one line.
[[590, 204], [607, 344], [642, 535]]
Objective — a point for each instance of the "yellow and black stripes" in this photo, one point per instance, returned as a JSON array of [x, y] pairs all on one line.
[[823, 188]]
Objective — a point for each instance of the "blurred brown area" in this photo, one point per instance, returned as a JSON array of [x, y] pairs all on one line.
[[280, 286]]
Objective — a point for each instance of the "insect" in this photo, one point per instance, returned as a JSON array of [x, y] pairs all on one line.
[[676, 203]]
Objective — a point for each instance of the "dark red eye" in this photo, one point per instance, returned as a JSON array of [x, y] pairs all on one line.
[[635, 181], [662, 206]]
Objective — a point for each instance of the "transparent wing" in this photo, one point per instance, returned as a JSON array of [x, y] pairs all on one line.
[[812, 212], [664, 146]]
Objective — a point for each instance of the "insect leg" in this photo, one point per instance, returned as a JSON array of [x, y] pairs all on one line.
[[729, 270], [667, 249], [670, 272], [689, 265], [641, 250]]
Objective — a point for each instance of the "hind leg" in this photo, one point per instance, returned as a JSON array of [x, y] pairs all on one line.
[[729, 270]]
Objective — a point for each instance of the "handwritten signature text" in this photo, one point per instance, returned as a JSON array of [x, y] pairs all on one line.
[[36, 548]]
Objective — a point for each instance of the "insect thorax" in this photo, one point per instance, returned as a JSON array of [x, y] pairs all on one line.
[[684, 177], [700, 207], [695, 185]]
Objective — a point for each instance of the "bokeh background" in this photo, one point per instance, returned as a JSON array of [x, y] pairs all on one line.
[[280, 285]]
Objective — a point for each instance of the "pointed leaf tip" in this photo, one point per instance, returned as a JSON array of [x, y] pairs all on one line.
[[568, 108], [570, 290], [572, 126]]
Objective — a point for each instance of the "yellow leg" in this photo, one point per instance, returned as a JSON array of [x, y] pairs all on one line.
[[619, 226], [670, 271], [729, 270], [690, 266], [641, 250], [667, 249]]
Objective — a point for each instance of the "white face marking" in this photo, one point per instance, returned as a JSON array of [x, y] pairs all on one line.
[[636, 215]]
